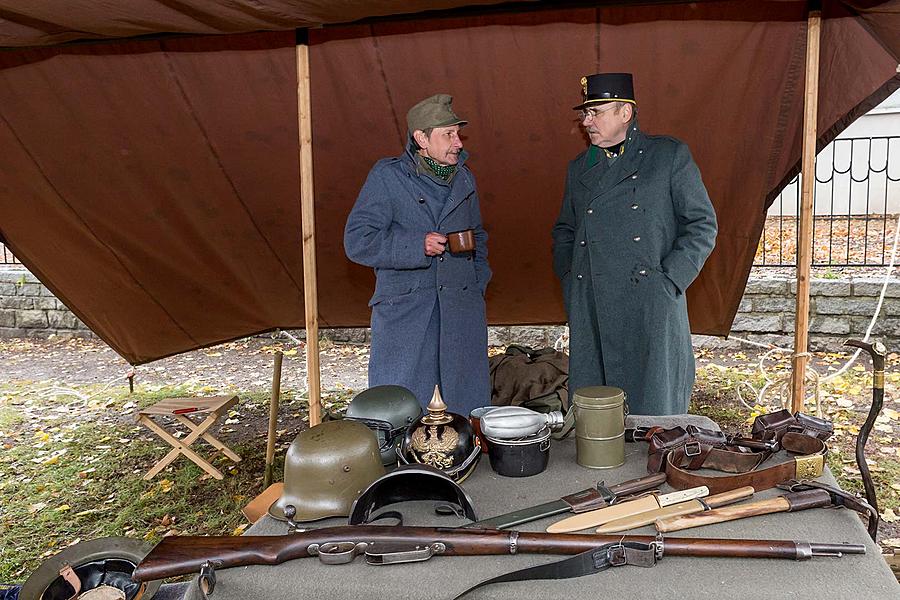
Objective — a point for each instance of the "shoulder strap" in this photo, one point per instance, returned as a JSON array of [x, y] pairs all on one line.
[[587, 563]]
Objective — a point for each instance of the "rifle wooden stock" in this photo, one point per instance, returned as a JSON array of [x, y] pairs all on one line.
[[184, 555]]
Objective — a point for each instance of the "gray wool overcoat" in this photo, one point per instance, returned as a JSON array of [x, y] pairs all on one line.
[[428, 313], [630, 238]]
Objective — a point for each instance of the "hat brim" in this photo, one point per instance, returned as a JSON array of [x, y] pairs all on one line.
[[602, 101], [451, 123]]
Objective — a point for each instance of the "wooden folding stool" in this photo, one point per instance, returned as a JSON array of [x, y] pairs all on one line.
[[179, 408]]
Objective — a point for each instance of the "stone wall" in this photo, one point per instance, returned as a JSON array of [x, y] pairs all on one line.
[[839, 308], [28, 309]]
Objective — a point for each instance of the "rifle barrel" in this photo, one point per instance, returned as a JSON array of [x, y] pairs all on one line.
[[184, 555]]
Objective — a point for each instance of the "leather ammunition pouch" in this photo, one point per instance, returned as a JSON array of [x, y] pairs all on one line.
[[774, 425], [680, 452]]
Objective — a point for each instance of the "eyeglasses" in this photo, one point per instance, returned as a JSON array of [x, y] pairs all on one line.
[[593, 113]]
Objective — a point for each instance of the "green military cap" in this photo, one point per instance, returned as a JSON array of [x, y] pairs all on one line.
[[434, 111]]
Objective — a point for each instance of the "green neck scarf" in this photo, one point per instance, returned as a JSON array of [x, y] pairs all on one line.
[[442, 171]]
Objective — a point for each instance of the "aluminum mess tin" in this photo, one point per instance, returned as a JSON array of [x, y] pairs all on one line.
[[599, 426]]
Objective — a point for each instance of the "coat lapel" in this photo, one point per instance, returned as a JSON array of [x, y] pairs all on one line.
[[460, 189], [621, 169]]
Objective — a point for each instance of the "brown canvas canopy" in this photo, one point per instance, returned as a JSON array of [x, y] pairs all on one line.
[[152, 184]]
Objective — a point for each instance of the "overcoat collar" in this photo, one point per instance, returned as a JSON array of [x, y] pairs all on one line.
[[602, 177], [461, 186]]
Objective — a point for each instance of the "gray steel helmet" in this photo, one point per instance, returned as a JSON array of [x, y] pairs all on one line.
[[95, 564], [387, 410], [326, 468]]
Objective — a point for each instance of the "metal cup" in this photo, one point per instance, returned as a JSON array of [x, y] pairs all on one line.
[[475, 420], [461, 241]]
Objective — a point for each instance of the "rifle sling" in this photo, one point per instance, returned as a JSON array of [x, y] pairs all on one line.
[[807, 464], [587, 563]]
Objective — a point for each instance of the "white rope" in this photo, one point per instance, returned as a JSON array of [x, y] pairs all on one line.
[[781, 383]]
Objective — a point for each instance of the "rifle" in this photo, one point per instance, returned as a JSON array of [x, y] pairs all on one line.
[[381, 545]]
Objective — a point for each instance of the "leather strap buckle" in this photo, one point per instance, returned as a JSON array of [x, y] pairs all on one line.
[[692, 448], [619, 555]]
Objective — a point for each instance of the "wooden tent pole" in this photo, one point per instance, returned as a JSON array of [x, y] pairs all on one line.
[[308, 224], [273, 419], [804, 241]]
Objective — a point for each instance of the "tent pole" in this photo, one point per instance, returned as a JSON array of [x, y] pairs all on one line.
[[273, 419], [308, 226], [804, 241]]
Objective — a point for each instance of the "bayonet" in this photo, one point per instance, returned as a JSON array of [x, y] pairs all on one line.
[[579, 502]]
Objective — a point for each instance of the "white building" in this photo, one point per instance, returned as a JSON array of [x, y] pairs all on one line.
[[859, 172]]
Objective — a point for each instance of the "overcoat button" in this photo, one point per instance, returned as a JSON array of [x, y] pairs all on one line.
[[640, 151], [421, 200], [468, 258], [634, 176], [441, 259], [636, 238], [634, 207], [465, 287], [579, 276], [440, 287], [590, 211], [582, 243], [643, 272]]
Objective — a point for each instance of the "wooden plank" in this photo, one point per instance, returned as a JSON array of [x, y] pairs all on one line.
[[308, 227], [804, 242]]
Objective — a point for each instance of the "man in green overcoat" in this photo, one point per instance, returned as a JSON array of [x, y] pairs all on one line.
[[635, 227]]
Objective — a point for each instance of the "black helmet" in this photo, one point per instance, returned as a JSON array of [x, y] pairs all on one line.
[[387, 410], [406, 484], [442, 439], [104, 562]]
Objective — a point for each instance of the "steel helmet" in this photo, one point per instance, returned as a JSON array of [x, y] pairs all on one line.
[[442, 439], [326, 468], [388, 410], [104, 564]]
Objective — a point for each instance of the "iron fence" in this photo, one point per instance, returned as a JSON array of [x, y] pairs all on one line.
[[856, 207], [6, 257]]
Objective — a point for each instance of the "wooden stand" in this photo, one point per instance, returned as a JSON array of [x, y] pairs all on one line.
[[804, 241], [308, 225]]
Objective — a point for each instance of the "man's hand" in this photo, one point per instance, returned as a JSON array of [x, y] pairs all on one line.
[[434, 243]]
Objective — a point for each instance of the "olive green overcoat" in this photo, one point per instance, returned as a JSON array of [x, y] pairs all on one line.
[[630, 238]]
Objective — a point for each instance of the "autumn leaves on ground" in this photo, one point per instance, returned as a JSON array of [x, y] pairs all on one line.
[[73, 457]]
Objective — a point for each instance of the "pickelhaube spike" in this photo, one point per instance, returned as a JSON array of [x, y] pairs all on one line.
[[437, 410]]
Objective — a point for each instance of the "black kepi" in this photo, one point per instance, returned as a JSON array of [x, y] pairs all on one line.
[[606, 87]]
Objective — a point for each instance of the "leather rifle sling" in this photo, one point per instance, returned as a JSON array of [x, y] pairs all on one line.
[[808, 464], [586, 563]]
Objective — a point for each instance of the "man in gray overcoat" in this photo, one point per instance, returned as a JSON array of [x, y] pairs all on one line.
[[428, 314], [635, 227]]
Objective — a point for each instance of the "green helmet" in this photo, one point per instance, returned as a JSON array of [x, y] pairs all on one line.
[[387, 410], [95, 564], [326, 468]]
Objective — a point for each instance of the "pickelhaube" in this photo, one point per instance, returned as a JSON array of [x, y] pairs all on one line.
[[443, 440], [326, 468], [387, 410], [95, 567]]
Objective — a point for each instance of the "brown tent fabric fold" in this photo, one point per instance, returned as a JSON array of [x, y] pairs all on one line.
[[153, 185]]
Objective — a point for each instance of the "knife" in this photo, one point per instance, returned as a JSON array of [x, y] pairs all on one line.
[[682, 508], [626, 509], [579, 502]]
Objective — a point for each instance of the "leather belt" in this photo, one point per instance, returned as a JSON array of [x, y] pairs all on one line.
[[744, 466]]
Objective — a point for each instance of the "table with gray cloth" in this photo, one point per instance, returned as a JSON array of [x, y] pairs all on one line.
[[442, 578]]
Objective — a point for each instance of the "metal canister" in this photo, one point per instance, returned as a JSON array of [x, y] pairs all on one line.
[[599, 426]]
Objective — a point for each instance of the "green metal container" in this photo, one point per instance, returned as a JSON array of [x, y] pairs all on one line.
[[599, 426]]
